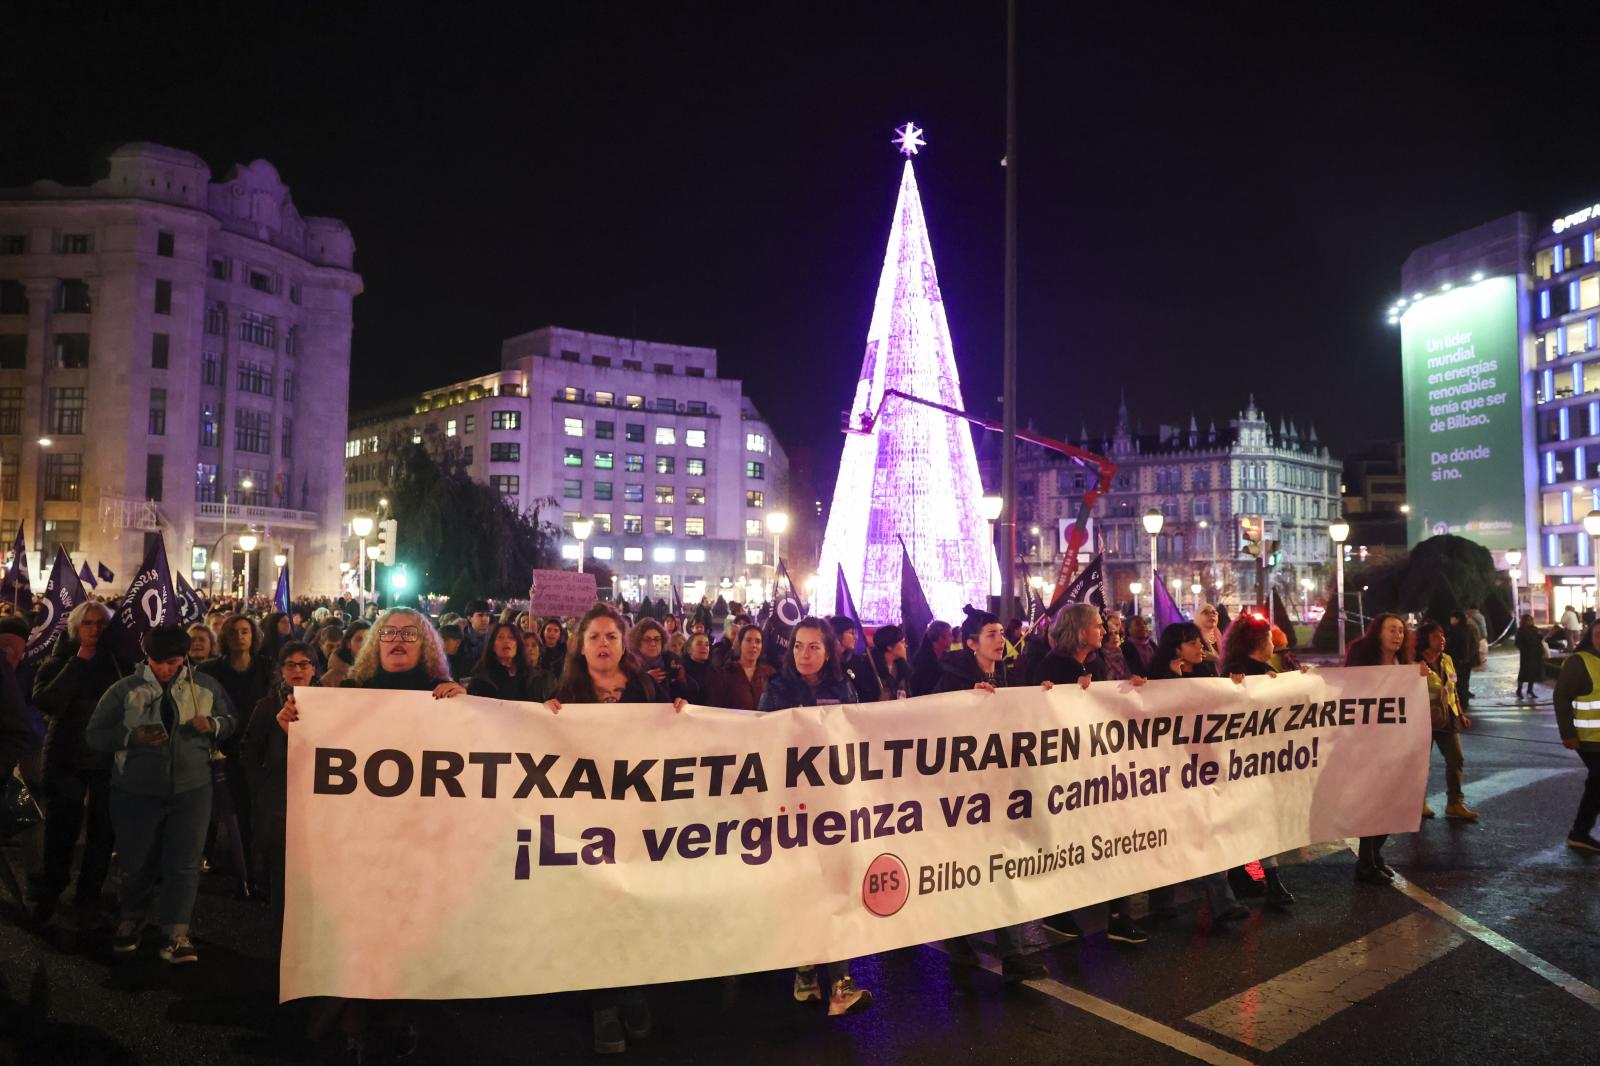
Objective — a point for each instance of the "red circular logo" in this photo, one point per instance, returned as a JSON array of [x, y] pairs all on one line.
[[886, 887]]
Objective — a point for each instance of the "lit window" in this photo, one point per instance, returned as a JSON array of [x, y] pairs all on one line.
[[602, 523], [635, 402], [694, 555], [755, 499], [664, 524], [752, 527], [694, 438], [666, 436], [632, 523], [509, 420], [754, 557], [572, 395], [511, 452], [572, 457], [633, 463], [696, 497], [604, 460], [664, 555], [663, 494], [602, 553], [633, 493], [694, 527], [755, 442], [572, 427], [695, 467], [604, 399], [755, 471], [450, 427], [569, 551], [633, 555], [665, 464]]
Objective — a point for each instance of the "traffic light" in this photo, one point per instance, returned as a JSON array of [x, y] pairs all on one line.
[[1274, 556], [386, 539], [1250, 529]]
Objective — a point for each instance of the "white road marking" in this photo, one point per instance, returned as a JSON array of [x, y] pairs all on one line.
[[1132, 1021], [1270, 1014], [1498, 784]]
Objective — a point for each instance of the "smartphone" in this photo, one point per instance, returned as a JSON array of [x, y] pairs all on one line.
[[152, 732]]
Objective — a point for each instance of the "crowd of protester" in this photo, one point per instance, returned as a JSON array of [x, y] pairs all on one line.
[[175, 764]]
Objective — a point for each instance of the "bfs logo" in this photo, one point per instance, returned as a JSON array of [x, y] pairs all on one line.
[[886, 887]]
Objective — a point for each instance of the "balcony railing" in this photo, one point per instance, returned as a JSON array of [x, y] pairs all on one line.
[[245, 514]]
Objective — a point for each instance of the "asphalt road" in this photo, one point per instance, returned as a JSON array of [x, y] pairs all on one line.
[[1487, 950]]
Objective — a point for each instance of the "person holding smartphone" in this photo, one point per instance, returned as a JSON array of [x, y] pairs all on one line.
[[160, 725]]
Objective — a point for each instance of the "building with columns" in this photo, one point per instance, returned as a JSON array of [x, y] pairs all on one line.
[[1203, 481], [175, 357], [674, 465]]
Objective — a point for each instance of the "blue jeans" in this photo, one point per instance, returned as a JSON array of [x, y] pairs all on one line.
[[160, 837]]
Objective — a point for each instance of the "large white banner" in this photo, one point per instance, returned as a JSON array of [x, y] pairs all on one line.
[[472, 848]]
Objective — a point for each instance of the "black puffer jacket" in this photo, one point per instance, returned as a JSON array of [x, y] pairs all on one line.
[[66, 690]]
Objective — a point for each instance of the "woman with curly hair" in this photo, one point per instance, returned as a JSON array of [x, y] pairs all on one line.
[[647, 640]]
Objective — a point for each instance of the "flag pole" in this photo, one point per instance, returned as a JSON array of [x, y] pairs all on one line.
[[1008, 490]]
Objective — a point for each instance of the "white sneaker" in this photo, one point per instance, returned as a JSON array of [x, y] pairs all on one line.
[[847, 998], [806, 988]]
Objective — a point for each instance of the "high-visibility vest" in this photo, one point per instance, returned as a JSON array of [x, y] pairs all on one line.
[[1586, 708]]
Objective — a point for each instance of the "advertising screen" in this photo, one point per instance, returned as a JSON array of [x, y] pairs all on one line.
[[1461, 367]]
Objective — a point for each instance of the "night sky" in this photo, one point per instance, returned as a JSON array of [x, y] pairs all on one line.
[[1210, 204]]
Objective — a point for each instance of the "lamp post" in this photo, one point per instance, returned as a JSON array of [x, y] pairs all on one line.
[[1591, 526], [247, 544], [1339, 532], [1197, 588], [777, 522], [1513, 562], [361, 528], [1136, 587], [1153, 520], [372, 557], [991, 506], [581, 528]]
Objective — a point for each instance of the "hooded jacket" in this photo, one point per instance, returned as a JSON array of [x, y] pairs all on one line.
[[181, 764]]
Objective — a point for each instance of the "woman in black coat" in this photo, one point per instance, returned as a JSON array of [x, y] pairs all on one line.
[[1530, 656], [504, 672], [264, 751]]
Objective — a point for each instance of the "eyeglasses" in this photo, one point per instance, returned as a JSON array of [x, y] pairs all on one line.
[[298, 664], [408, 635]]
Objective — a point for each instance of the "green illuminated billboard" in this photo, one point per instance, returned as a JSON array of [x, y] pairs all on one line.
[[1461, 366]]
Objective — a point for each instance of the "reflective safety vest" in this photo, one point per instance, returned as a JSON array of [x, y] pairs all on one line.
[[1586, 708]]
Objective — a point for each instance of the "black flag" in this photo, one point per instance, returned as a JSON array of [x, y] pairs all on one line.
[[915, 614], [190, 609], [150, 602], [63, 592]]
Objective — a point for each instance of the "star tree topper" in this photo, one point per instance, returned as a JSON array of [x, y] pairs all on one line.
[[910, 139]]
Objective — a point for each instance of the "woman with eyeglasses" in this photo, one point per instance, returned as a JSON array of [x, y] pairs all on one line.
[[265, 754], [407, 654]]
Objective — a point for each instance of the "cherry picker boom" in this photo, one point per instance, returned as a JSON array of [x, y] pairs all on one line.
[[1104, 470]]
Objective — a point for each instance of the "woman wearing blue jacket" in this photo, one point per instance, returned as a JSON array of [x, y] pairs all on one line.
[[160, 725]]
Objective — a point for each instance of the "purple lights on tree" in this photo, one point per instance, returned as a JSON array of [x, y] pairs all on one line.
[[907, 471]]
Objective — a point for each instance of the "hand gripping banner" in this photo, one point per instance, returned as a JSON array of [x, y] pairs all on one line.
[[476, 848]]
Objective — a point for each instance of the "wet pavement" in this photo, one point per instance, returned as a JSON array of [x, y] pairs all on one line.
[[1488, 949]]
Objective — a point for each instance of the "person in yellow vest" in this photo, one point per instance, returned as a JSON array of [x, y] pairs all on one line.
[[1444, 701], [1578, 716]]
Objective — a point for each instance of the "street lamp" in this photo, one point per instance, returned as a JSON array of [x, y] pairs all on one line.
[[1591, 526], [1513, 562], [1339, 532], [361, 528], [1136, 587], [581, 528], [990, 507], [372, 557], [280, 560], [1153, 520], [247, 544]]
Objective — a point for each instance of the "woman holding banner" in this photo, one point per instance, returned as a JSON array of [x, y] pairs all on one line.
[[406, 654], [812, 677], [1247, 652], [1383, 644]]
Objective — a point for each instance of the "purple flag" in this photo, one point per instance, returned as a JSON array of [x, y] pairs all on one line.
[[915, 614], [280, 595], [61, 595], [86, 576], [845, 604], [1165, 612], [150, 602], [15, 585], [190, 609]]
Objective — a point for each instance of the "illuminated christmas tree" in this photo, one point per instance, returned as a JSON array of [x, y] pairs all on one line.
[[908, 471]]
